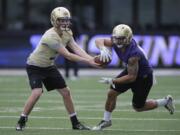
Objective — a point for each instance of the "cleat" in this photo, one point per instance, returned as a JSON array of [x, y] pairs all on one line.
[[80, 126], [170, 104], [103, 124], [21, 123]]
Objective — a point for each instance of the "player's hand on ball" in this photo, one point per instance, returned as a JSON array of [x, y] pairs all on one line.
[[101, 63], [93, 63], [107, 80], [105, 54]]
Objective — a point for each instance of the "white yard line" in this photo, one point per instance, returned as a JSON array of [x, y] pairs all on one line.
[[79, 101], [78, 109], [48, 128], [96, 118], [40, 109], [95, 72]]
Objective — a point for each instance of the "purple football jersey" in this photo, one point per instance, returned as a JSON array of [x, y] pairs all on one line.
[[134, 50]]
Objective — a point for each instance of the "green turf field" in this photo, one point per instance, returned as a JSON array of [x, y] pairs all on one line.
[[50, 118]]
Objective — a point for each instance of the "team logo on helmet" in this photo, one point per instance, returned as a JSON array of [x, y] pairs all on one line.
[[65, 13]]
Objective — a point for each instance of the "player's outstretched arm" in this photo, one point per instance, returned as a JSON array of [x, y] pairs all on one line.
[[78, 50], [103, 42], [73, 57]]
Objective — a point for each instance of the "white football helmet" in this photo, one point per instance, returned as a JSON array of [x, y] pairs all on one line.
[[60, 18], [121, 35]]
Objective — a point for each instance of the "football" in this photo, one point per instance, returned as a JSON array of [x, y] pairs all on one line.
[[97, 60]]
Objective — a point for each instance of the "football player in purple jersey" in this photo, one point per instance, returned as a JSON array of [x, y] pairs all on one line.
[[137, 76]]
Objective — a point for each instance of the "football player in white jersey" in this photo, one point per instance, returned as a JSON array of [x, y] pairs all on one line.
[[41, 69]]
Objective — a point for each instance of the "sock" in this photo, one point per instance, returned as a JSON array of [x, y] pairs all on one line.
[[23, 115], [73, 118], [161, 102], [107, 116], [23, 118], [72, 114]]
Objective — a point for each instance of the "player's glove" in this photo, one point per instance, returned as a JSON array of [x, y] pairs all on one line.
[[105, 54], [107, 80]]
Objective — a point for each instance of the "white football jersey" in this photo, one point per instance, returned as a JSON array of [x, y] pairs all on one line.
[[46, 51]]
